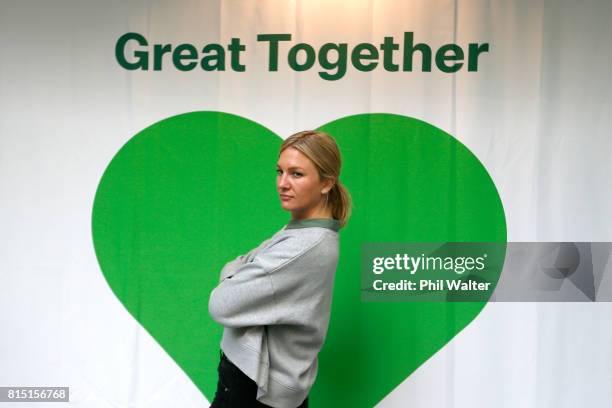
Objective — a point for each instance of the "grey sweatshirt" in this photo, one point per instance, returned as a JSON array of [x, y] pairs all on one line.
[[274, 303]]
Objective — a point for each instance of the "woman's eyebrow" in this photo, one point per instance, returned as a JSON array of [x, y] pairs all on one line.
[[291, 168]]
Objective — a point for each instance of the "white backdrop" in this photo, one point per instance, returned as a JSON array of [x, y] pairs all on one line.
[[537, 114]]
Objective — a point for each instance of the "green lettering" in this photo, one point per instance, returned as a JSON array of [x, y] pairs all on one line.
[[274, 39], [158, 54], [310, 57], [388, 46], [371, 54], [449, 52], [178, 57], [142, 61], [235, 48], [215, 62], [410, 48], [474, 51], [339, 63]]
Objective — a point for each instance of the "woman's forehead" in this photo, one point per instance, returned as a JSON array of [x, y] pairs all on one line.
[[291, 157]]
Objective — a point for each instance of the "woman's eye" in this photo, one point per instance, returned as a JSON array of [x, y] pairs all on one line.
[[296, 174], [279, 172]]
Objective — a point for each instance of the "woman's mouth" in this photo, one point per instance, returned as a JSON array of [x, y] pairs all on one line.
[[285, 197]]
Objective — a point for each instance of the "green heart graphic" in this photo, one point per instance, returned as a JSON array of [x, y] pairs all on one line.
[[191, 192]]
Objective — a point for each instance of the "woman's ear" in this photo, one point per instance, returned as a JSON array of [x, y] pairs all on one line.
[[328, 185]]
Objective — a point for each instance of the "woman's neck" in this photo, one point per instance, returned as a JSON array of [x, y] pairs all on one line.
[[317, 213]]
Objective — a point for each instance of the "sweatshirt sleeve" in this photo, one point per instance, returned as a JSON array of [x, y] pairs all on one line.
[[230, 268], [260, 292]]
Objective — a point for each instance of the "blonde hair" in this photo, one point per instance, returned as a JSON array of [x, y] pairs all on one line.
[[323, 151]]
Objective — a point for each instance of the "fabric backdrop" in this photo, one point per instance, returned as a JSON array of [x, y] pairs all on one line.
[[537, 114]]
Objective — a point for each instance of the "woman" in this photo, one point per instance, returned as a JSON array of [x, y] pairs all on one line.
[[274, 302]]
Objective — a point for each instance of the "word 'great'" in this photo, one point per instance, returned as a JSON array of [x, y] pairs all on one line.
[[332, 58]]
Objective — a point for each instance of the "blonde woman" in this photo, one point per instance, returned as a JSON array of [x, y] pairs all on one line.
[[274, 302]]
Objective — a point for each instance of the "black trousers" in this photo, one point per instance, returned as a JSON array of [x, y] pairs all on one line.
[[235, 389]]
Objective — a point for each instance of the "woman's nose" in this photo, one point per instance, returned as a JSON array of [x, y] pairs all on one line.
[[283, 182]]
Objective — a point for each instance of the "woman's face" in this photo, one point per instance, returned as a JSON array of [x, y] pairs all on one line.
[[298, 184]]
